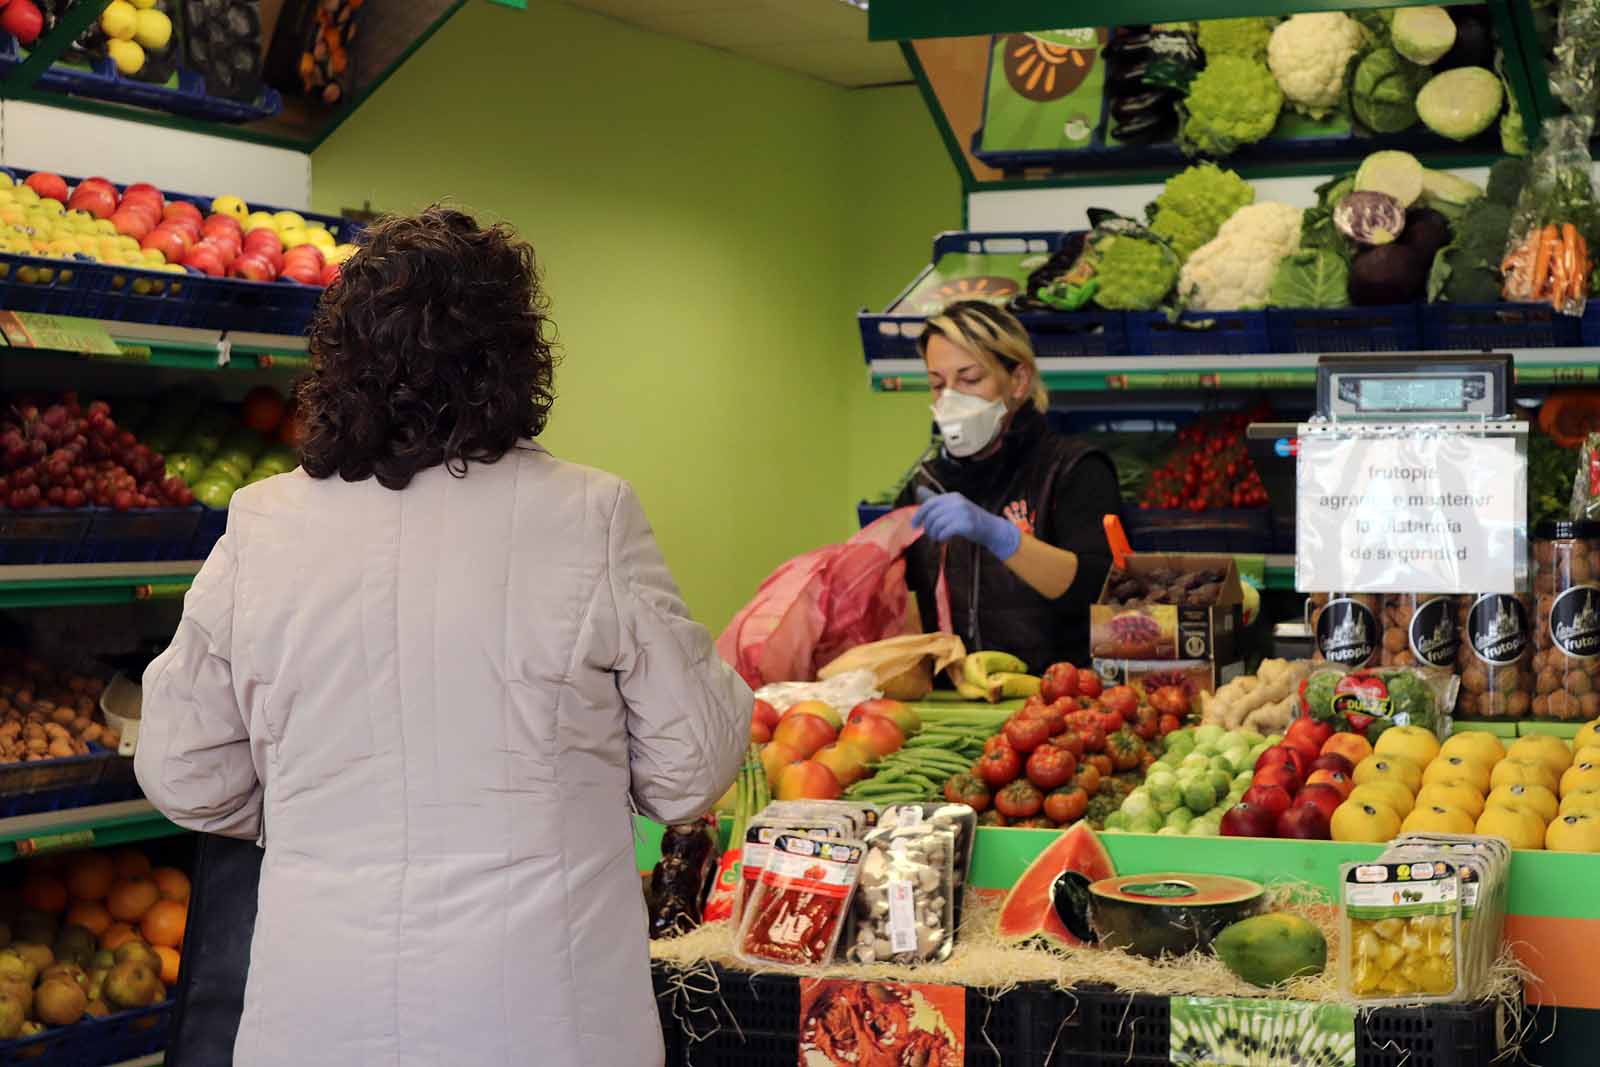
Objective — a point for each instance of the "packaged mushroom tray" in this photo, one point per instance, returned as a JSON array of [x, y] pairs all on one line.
[[911, 878]]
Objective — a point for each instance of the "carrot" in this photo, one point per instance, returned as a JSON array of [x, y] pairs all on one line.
[[1556, 291], [1516, 266], [1580, 279], [1548, 239]]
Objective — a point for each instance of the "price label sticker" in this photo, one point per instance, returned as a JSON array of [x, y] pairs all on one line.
[[902, 916]]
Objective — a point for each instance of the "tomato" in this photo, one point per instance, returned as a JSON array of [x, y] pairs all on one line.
[[1169, 724], [999, 767], [1111, 721], [1055, 715], [1089, 683], [965, 789], [1026, 734], [1170, 700], [1038, 822], [1100, 762], [1049, 766], [997, 741], [1121, 699], [1147, 724], [1066, 804], [1094, 738], [1088, 778], [1019, 800], [1070, 742], [1060, 680], [991, 818]]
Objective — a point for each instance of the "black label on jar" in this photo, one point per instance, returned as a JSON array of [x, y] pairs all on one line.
[[1434, 635], [1575, 622], [1497, 628], [1347, 632]]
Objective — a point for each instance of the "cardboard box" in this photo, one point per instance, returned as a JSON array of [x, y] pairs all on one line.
[[1196, 675], [1167, 631]]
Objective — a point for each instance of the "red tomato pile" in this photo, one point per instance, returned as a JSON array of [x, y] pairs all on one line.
[[1210, 468]]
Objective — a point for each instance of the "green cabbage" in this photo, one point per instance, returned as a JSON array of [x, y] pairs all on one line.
[[1233, 102], [1383, 91], [1316, 278]]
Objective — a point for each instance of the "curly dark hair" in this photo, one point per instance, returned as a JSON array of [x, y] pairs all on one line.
[[433, 347]]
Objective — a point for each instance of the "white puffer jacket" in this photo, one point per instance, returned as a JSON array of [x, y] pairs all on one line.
[[433, 707]]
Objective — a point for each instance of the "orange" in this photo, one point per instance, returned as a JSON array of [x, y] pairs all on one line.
[[131, 863], [116, 934], [169, 964], [90, 875], [44, 892], [91, 915], [163, 924], [1352, 747], [131, 898], [173, 883]]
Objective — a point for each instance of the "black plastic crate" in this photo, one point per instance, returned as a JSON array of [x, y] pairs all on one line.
[[113, 1039], [213, 524], [1177, 530], [47, 535], [1443, 1035]]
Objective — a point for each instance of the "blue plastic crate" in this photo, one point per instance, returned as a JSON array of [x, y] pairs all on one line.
[[1178, 530], [142, 535], [1198, 333], [65, 774], [1396, 328], [124, 1036], [212, 525], [1589, 325], [47, 286], [43, 535], [1497, 327]]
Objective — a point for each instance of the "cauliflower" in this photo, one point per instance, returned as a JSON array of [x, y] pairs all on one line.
[[1309, 54], [1195, 203], [1235, 270], [1135, 274], [1233, 102]]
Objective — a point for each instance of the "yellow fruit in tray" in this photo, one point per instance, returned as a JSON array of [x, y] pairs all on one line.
[[1516, 771], [1577, 832], [1535, 798], [1580, 800], [152, 29], [26, 195], [260, 220], [341, 253], [289, 220], [1553, 752], [322, 239], [1519, 824], [1397, 768], [1580, 776], [1458, 768], [232, 206], [118, 20], [127, 55], [1452, 794], [1386, 791], [1414, 743], [1485, 748], [293, 236], [1364, 822], [1588, 734], [1437, 819]]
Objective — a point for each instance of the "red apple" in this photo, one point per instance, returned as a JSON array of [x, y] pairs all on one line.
[[302, 272], [1306, 733], [903, 717], [760, 733], [1247, 820], [775, 756], [1306, 822], [874, 733], [47, 185], [223, 224], [182, 209], [1283, 754], [205, 259], [257, 269], [1333, 779], [144, 191], [804, 733], [227, 246], [1331, 761], [95, 183], [24, 21], [1325, 797], [1268, 797], [173, 242], [97, 201], [309, 253], [330, 275], [262, 238], [764, 712], [133, 224], [1277, 775], [807, 780]]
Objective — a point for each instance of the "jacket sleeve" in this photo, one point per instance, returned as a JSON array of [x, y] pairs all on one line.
[[193, 759], [688, 712]]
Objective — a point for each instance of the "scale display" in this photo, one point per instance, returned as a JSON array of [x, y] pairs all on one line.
[[1415, 387]]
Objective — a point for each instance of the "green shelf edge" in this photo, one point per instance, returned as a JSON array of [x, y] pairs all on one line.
[[63, 592], [107, 830]]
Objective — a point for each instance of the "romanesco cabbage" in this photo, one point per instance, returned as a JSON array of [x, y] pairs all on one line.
[[1232, 102], [1195, 203], [1234, 271], [1245, 37], [1135, 274], [1309, 54]]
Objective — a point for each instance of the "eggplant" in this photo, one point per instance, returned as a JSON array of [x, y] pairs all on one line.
[[1127, 47], [1148, 128], [1127, 108], [1125, 78]]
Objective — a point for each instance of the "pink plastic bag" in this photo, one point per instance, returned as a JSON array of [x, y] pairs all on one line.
[[821, 604]]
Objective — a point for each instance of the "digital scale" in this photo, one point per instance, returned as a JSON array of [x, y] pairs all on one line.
[[1382, 388]]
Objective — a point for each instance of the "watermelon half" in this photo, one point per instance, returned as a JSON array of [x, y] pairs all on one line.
[[1155, 915], [1029, 910]]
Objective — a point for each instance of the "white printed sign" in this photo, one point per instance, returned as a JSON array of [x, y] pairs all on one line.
[[1434, 511]]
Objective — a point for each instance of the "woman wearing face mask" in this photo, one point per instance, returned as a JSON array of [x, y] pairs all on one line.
[[1012, 510]]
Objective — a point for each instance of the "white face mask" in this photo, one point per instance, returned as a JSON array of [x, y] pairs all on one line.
[[969, 424]]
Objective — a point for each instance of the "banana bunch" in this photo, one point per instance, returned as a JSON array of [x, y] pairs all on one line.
[[995, 676]]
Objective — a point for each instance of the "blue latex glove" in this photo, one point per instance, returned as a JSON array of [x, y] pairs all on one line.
[[949, 515]]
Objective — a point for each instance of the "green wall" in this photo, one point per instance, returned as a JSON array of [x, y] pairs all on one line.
[[708, 227]]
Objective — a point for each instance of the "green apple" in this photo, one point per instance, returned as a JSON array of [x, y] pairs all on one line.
[[243, 460], [186, 465], [201, 442], [246, 441], [214, 494], [219, 471]]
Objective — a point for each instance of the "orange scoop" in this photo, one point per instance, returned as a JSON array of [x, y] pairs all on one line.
[[1118, 540]]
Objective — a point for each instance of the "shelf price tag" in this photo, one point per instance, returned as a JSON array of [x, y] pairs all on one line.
[[41, 843], [1405, 508], [61, 333]]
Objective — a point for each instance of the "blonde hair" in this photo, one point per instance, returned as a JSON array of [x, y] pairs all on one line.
[[993, 337]]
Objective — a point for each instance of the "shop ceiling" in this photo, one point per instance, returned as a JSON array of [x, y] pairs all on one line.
[[823, 39]]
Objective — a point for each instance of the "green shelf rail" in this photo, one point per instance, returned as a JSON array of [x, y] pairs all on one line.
[[899, 20], [98, 826], [94, 583], [167, 347]]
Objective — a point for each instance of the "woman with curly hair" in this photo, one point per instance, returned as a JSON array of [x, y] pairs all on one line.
[[432, 673]]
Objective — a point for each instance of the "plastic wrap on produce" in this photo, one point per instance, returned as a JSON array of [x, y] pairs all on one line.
[[1547, 258], [1402, 507], [1577, 57], [842, 691]]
